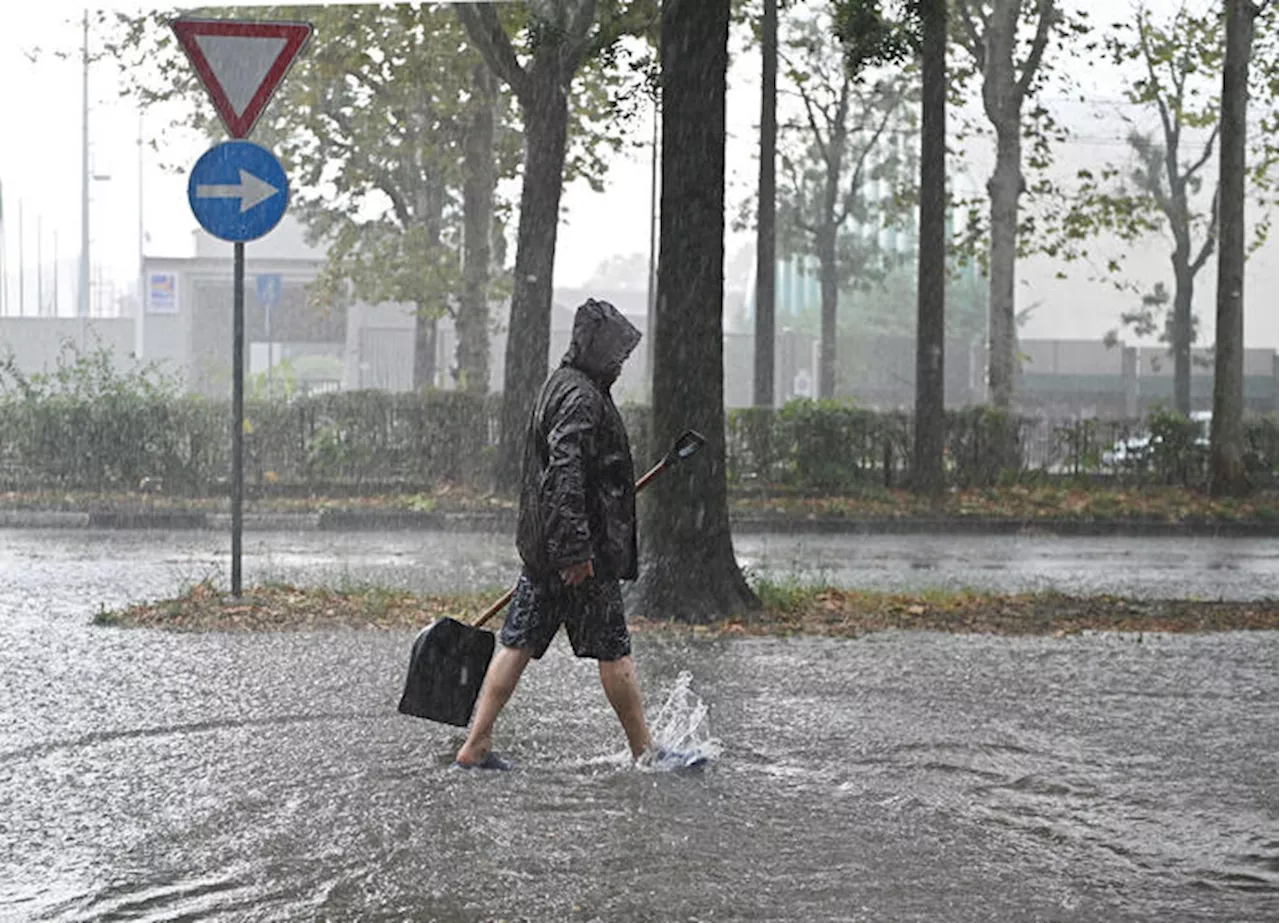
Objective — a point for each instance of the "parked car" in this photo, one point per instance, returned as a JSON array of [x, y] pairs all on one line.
[[1128, 453], [1135, 451]]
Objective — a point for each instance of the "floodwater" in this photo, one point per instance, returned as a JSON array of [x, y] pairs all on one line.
[[1200, 568], [900, 776]]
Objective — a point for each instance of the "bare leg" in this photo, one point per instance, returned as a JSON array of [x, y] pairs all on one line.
[[622, 688], [499, 683]]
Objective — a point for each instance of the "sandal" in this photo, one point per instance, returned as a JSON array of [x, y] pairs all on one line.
[[490, 761]]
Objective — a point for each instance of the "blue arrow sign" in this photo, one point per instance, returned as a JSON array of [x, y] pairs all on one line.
[[238, 191], [269, 285]]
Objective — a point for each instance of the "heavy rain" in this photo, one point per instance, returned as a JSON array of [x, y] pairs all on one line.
[[883, 397]]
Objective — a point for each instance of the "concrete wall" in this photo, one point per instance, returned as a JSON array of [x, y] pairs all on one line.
[[188, 327], [1062, 378], [378, 352], [36, 342], [380, 343], [1155, 361], [188, 322], [1074, 357], [166, 322]]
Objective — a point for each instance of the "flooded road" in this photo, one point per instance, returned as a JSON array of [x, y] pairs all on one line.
[[1200, 568], [901, 776]]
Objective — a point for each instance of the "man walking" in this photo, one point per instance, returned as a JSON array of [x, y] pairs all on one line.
[[576, 535]]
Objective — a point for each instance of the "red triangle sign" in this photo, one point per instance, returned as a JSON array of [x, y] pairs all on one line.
[[241, 63]]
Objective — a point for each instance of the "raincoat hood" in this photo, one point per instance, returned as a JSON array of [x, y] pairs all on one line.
[[602, 340]]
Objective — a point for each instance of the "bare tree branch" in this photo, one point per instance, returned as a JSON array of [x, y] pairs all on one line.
[[824, 78], [1206, 153], [639, 19], [789, 165], [1048, 16], [1211, 239], [839, 144], [856, 180], [838, 122], [972, 41], [398, 204], [584, 14], [382, 180], [577, 39], [807, 98], [1151, 172], [1145, 48], [823, 146], [490, 38]]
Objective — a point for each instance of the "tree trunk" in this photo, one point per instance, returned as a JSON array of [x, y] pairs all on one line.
[[927, 475], [1004, 189], [689, 569], [431, 207], [1226, 439], [827, 278], [1002, 102], [1181, 333], [546, 119], [480, 180], [424, 347], [766, 230]]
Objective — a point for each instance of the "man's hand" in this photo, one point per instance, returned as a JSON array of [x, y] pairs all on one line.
[[577, 573]]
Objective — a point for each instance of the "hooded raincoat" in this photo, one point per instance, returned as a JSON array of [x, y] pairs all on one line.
[[577, 497]]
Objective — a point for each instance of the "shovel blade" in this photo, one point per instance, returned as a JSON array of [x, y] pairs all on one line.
[[446, 667]]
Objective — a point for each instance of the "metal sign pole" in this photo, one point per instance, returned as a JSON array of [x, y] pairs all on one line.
[[271, 349], [237, 190], [237, 416]]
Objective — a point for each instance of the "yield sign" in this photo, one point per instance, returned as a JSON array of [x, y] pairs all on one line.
[[240, 63]]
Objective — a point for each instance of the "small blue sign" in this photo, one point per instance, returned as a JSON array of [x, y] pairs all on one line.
[[269, 285], [238, 191], [162, 293]]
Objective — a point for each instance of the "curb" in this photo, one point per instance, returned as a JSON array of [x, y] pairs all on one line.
[[1124, 528], [43, 519], [504, 521], [265, 522], [400, 520], [164, 519]]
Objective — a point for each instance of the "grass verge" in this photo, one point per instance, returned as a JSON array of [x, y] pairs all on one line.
[[788, 609]]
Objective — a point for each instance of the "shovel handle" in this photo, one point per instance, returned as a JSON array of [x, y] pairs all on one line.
[[495, 608], [643, 481], [641, 484]]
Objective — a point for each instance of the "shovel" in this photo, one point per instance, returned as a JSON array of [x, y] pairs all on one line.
[[449, 658]]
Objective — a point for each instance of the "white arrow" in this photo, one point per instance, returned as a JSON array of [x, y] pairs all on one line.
[[251, 191]]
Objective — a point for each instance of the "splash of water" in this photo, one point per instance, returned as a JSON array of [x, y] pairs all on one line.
[[682, 722], [681, 725]]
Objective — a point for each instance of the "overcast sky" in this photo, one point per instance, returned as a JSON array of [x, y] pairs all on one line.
[[39, 161]]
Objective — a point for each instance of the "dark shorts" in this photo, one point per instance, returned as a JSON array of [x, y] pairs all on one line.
[[591, 613]]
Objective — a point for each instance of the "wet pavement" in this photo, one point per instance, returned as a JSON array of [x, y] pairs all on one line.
[[901, 776]]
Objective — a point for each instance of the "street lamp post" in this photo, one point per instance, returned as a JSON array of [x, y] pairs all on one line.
[[652, 293], [82, 293], [139, 340]]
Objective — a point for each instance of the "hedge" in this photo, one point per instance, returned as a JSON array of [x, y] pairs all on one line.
[[375, 441], [832, 447], [351, 440]]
